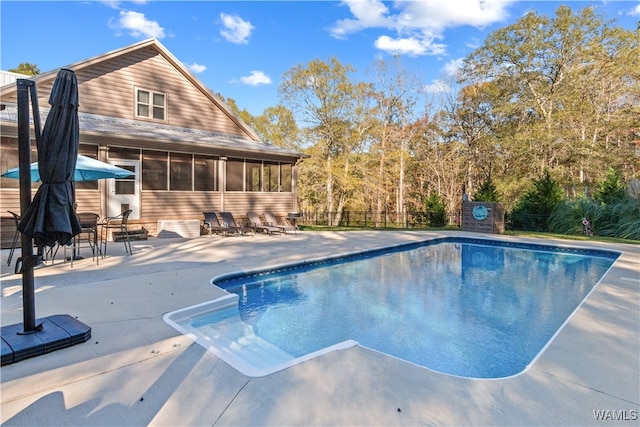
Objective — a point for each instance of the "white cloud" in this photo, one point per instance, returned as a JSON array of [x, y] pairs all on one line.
[[235, 29], [453, 67], [256, 78], [114, 4], [474, 43], [409, 46], [440, 14], [418, 24], [111, 4], [635, 11], [367, 13], [196, 68], [138, 25], [437, 86]]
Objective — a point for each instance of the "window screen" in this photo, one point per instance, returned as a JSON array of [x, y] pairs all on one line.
[[154, 170], [180, 166], [205, 173], [235, 175]]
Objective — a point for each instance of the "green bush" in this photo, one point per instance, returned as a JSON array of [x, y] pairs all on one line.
[[436, 210], [534, 208], [622, 219], [613, 212], [487, 192], [567, 217], [611, 190]]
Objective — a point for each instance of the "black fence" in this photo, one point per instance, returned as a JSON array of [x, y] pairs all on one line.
[[526, 222], [369, 219]]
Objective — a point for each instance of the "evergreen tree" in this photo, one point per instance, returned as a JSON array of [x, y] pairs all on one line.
[[611, 190], [436, 210], [487, 192], [534, 208]]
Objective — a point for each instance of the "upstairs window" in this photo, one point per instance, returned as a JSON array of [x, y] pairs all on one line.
[[151, 105]]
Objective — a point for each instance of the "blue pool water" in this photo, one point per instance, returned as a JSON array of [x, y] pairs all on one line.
[[464, 307]]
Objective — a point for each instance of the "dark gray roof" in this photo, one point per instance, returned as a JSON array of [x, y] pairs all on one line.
[[93, 123]]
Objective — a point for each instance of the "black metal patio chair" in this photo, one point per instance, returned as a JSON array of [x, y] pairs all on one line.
[[119, 223]]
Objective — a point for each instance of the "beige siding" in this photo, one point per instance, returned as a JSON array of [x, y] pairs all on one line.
[[89, 201], [240, 203], [108, 88], [177, 204], [10, 200], [190, 205]]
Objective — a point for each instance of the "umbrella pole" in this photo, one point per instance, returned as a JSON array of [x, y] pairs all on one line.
[[24, 162]]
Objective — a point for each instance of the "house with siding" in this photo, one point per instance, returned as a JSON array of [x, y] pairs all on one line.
[[141, 109]]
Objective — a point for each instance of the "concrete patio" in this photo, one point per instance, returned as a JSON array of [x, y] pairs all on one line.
[[137, 370]]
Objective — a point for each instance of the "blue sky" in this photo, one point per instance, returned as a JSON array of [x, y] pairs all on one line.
[[241, 49]]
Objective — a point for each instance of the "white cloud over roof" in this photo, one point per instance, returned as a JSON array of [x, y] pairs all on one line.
[[417, 26], [137, 25], [197, 68], [256, 78], [235, 29]]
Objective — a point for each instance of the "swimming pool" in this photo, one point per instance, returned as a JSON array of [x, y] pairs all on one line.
[[466, 307]]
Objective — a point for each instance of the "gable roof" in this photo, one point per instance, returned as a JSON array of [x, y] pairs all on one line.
[[99, 124], [229, 145], [8, 91]]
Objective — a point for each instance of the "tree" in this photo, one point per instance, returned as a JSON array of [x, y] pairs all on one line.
[[277, 126], [26, 68], [471, 122], [436, 210], [394, 96], [487, 192], [536, 205], [567, 93], [611, 190], [328, 104]]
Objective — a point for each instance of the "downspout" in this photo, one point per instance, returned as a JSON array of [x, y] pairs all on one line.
[[222, 173], [103, 185], [294, 185]]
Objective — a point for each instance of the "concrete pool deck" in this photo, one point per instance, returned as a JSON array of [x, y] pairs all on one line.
[[137, 370]]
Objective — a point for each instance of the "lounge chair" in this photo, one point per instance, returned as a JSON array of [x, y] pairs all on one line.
[[273, 221], [228, 218], [213, 225], [256, 223]]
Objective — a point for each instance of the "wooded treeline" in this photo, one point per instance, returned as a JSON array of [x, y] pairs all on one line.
[[547, 95]]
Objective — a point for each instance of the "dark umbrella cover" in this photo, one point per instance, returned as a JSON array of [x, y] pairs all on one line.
[[51, 218]]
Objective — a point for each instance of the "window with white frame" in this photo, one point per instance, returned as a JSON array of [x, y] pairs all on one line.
[[151, 105]]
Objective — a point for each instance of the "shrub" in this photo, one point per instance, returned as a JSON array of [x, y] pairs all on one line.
[[436, 210], [534, 208], [622, 219], [487, 192], [567, 217], [611, 190]]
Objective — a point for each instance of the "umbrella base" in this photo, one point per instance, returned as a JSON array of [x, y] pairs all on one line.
[[57, 332]]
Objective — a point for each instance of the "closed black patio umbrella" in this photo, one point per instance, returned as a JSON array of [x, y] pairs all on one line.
[[51, 218]]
